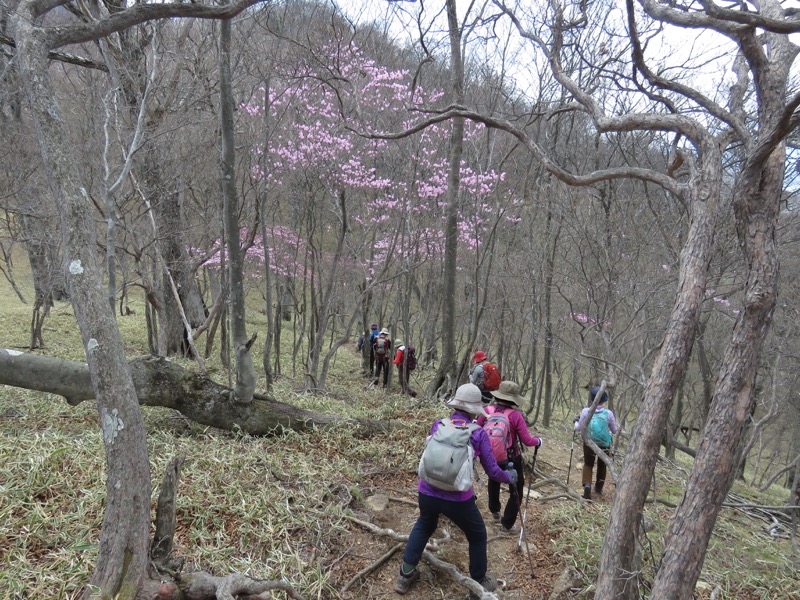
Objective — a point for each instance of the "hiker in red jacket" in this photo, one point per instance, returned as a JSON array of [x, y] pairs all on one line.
[[403, 368], [485, 375]]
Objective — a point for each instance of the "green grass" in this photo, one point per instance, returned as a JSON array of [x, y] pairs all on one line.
[[272, 507]]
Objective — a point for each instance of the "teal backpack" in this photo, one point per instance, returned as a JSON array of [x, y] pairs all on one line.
[[599, 431]]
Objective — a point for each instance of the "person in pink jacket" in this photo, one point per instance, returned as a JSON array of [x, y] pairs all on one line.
[[507, 401]]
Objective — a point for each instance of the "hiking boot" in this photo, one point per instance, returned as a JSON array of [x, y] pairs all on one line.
[[598, 489], [587, 492], [496, 515], [510, 530], [489, 583], [404, 582]]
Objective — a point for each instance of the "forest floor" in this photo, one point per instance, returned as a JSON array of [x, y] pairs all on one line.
[[527, 565], [303, 508]]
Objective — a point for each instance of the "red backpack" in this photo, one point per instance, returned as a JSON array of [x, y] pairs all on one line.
[[491, 377], [498, 428], [381, 348]]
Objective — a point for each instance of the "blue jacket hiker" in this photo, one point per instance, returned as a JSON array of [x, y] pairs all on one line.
[[373, 333], [602, 425], [457, 502]]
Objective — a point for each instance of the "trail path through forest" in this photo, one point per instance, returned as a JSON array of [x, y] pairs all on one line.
[[526, 576]]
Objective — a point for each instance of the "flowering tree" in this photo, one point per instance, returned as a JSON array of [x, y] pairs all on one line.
[[376, 215]]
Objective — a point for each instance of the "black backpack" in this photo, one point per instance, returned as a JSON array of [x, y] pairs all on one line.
[[410, 358]]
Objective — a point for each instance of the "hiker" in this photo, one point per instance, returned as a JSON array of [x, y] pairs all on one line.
[[382, 348], [485, 375], [458, 506], [506, 428], [406, 362], [599, 429], [373, 333]]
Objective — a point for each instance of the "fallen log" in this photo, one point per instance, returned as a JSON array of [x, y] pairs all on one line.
[[161, 382]]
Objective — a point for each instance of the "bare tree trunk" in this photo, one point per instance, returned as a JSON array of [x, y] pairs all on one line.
[[315, 378], [447, 368], [123, 553], [615, 579], [269, 277], [547, 358], [245, 370], [163, 383], [43, 275], [756, 206]]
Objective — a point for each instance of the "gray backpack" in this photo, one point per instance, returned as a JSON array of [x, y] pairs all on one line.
[[446, 462]]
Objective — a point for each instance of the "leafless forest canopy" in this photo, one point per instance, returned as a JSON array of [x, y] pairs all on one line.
[[620, 213]]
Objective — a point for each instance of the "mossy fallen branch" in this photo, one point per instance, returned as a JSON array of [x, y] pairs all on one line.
[[163, 383]]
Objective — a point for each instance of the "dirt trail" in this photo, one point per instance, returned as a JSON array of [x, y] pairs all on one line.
[[527, 576]]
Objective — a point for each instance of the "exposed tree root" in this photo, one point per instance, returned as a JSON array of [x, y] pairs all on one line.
[[370, 568], [433, 546]]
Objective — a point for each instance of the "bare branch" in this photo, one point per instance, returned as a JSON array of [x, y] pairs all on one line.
[[722, 19], [712, 107], [139, 13], [635, 121], [62, 56], [550, 166]]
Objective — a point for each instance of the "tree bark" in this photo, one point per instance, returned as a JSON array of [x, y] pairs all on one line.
[[756, 203], [160, 382], [245, 370], [123, 549], [619, 546], [447, 369]]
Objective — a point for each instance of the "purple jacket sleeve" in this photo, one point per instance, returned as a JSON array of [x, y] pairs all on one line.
[[519, 429], [483, 448], [582, 417]]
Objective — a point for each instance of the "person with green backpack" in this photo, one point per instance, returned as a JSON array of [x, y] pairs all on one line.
[[446, 487], [600, 429]]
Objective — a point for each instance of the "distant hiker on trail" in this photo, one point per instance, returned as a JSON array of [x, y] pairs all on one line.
[[599, 429], [485, 375], [382, 348], [373, 334], [506, 428], [406, 361], [446, 487]]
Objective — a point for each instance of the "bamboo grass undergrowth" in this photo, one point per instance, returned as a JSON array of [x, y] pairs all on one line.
[[272, 507]]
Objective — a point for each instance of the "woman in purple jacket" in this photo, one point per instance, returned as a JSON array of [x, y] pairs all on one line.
[[506, 402], [459, 507]]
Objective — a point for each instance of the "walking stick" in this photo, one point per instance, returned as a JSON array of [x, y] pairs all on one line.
[[571, 450], [515, 493]]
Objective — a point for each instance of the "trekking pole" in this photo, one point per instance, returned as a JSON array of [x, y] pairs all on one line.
[[528, 495], [522, 536], [571, 450]]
